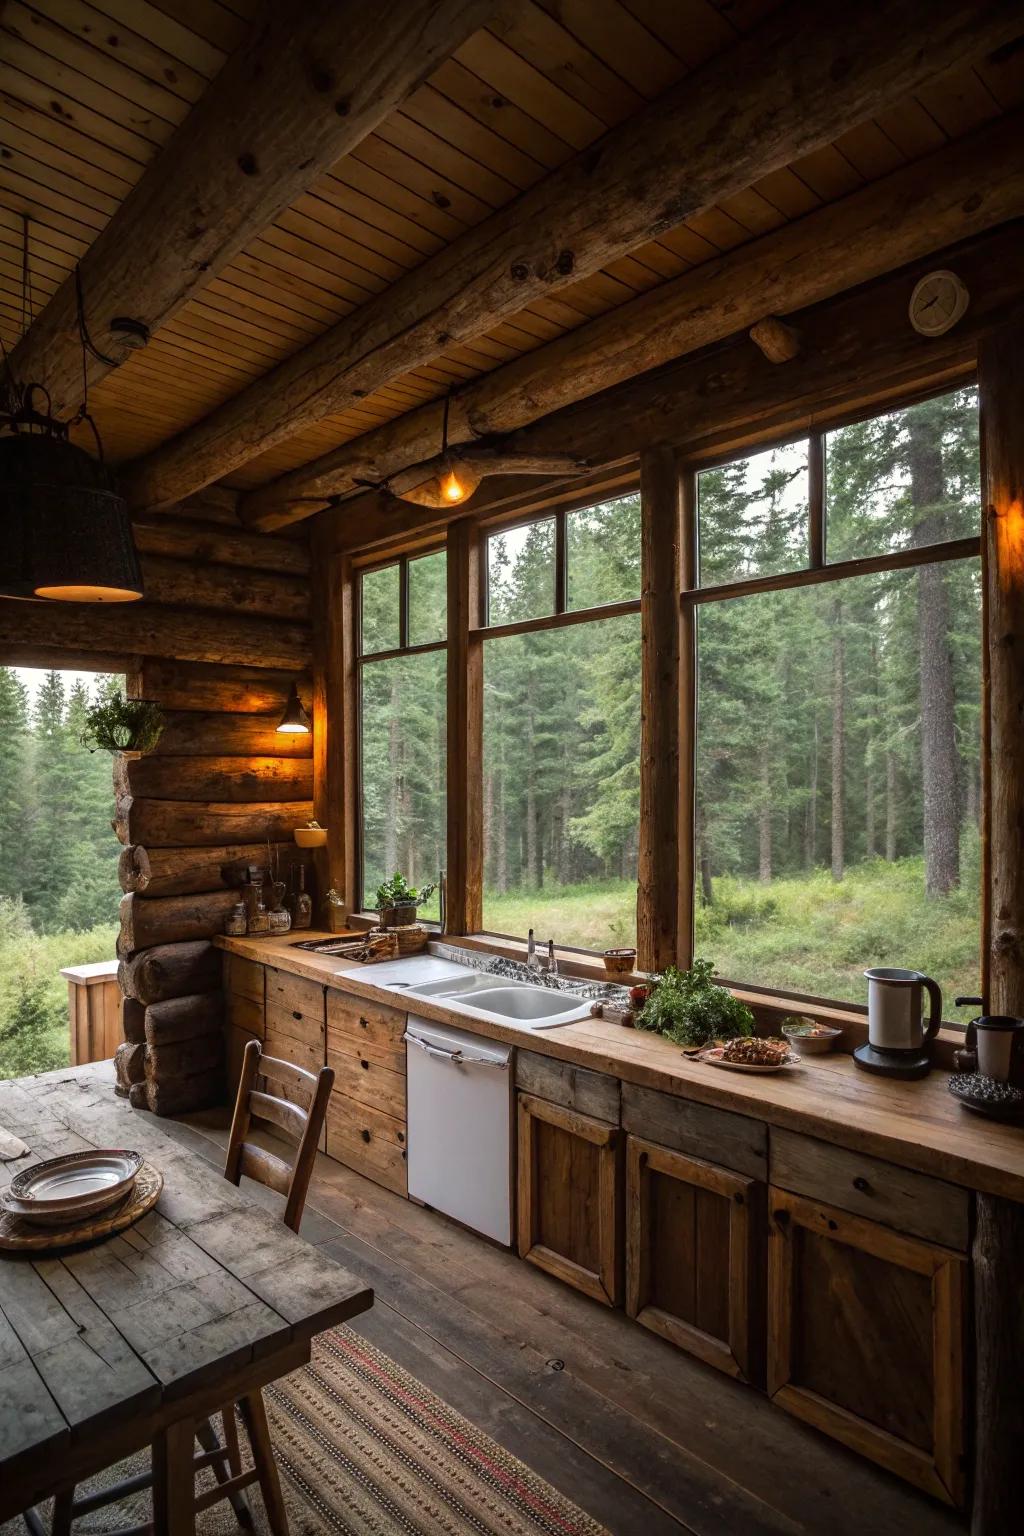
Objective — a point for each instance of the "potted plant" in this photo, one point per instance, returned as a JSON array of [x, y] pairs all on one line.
[[397, 901], [129, 726]]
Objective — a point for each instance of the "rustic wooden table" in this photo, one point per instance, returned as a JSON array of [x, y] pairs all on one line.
[[111, 1347]]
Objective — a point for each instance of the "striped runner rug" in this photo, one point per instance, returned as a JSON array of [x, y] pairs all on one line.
[[364, 1449], [371, 1452]]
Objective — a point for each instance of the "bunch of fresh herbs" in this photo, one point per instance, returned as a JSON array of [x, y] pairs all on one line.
[[691, 1009]]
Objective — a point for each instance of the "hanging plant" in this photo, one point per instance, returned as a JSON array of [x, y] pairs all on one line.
[[123, 725]]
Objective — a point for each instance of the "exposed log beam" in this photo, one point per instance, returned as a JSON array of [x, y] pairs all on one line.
[[306, 86], [858, 350], [959, 191], [782, 91], [147, 629]]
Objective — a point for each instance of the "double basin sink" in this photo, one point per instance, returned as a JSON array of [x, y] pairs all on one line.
[[478, 995]]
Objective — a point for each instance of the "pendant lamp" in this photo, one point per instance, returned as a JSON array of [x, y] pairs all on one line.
[[67, 532]]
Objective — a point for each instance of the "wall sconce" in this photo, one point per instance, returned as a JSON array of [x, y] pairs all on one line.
[[295, 721]]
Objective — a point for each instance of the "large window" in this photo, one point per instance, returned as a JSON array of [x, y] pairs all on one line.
[[402, 723], [561, 727], [838, 722]]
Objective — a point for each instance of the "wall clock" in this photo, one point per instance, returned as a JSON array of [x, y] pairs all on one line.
[[938, 301]]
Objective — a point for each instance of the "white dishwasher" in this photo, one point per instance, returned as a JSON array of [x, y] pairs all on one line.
[[460, 1126]]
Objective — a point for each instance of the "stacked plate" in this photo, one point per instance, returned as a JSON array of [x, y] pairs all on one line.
[[69, 1190]]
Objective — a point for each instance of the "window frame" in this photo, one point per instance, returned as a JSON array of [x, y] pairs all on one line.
[[817, 572], [361, 659]]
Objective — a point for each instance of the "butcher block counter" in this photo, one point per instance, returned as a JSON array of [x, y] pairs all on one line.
[[916, 1124]]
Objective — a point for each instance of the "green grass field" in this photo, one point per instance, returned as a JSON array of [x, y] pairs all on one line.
[[34, 995], [807, 934]]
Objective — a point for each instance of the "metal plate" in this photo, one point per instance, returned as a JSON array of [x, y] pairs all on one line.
[[74, 1184]]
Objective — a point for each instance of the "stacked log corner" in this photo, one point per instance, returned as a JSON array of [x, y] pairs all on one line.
[[220, 783]]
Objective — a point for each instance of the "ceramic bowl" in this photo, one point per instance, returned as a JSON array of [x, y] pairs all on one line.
[[812, 1045], [619, 962], [310, 837]]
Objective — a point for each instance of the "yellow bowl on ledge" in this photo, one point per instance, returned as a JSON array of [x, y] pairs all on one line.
[[310, 837]]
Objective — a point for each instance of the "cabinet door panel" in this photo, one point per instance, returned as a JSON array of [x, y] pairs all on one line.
[[570, 1197], [866, 1339], [694, 1256]]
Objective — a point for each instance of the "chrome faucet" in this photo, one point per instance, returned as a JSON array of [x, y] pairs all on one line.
[[533, 960], [552, 962]]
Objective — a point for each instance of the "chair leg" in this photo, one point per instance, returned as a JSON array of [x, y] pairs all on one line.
[[62, 1512], [234, 1450], [255, 1416], [174, 1492], [207, 1437]]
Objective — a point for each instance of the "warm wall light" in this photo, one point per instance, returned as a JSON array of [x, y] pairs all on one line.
[[294, 721]]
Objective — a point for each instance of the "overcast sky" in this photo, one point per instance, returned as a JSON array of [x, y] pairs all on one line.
[[32, 677]]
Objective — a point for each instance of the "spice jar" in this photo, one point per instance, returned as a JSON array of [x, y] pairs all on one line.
[[235, 922]]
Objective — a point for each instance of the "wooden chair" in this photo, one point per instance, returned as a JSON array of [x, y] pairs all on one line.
[[303, 1125]]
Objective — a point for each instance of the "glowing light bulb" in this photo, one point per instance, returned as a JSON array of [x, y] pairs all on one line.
[[452, 488]]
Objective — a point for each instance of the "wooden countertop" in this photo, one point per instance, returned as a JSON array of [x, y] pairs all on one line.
[[915, 1124]]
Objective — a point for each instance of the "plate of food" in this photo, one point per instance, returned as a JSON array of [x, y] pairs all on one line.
[[752, 1053]]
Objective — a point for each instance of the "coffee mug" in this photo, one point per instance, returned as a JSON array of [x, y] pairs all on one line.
[[996, 1038]]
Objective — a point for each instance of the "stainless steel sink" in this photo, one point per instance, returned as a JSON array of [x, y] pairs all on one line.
[[518, 1000]]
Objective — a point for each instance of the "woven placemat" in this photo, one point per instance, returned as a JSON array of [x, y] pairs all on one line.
[[19, 1236]]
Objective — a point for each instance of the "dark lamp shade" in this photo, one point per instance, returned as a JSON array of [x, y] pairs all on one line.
[[294, 719], [66, 532]]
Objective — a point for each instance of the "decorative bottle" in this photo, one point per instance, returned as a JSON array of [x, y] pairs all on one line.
[[301, 902]]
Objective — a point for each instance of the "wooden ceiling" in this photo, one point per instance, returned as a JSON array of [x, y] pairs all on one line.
[[89, 92]]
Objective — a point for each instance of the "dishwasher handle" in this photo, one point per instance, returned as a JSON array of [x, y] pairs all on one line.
[[458, 1058]]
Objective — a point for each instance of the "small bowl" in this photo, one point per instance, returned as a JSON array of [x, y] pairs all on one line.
[[817, 1044], [619, 962], [310, 837]]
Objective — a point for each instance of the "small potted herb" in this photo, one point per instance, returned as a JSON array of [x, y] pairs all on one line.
[[129, 726], [397, 901], [691, 1009]]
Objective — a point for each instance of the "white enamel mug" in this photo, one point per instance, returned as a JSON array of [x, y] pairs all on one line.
[[995, 1037]]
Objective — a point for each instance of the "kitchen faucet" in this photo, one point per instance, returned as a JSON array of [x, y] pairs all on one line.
[[534, 963]]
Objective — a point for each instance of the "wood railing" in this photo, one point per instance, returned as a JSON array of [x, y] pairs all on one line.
[[94, 1011]]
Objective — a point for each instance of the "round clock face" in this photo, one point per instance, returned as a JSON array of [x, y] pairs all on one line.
[[937, 303]]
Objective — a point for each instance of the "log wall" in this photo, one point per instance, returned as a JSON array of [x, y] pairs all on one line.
[[219, 784]]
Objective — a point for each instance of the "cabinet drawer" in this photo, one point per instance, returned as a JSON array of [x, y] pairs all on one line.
[[591, 1093], [370, 1029], [367, 1081], [244, 1013], [295, 995], [866, 1186], [298, 1026], [697, 1130], [244, 977], [367, 1140], [301, 1053]]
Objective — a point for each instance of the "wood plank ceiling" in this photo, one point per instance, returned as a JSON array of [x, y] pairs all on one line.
[[90, 91]]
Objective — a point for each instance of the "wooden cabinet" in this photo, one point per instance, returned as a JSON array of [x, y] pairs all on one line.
[[865, 1338], [570, 1205], [695, 1256], [366, 1119], [295, 1025], [244, 1012]]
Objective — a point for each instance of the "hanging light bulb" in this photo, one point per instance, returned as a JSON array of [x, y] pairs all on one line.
[[294, 721], [452, 488]]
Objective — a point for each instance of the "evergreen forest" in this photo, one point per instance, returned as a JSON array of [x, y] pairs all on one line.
[[838, 741], [58, 862]]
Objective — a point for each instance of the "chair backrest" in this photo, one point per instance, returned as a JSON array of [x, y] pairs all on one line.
[[301, 1125]]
